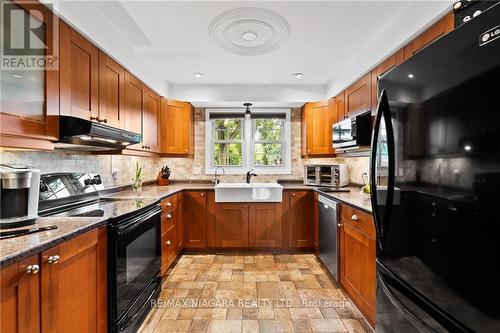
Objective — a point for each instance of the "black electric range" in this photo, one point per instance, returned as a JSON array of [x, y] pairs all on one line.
[[134, 247]]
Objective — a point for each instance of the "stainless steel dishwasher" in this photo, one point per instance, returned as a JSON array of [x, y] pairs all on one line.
[[328, 234]]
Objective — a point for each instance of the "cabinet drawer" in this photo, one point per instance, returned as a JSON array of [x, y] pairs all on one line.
[[168, 220], [358, 219], [169, 204], [168, 249]]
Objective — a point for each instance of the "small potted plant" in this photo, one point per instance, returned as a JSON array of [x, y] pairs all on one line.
[[163, 176], [138, 178]]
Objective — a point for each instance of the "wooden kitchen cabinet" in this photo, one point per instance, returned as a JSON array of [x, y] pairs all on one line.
[[339, 107], [177, 128], [195, 219], [298, 221], [74, 281], [133, 92], [150, 120], [111, 91], [79, 75], [265, 225], [438, 29], [231, 225], [28, 115], [317, 121], [389, 63], [20, 296], [357, 259], [358, 96], [168, 249]]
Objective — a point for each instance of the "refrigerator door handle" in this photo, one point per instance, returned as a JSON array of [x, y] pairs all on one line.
[[382, 223]]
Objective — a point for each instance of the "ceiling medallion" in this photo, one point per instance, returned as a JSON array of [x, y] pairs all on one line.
[[249, 31]]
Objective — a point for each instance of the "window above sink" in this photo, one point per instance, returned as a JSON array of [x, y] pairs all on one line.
[[239, 142]]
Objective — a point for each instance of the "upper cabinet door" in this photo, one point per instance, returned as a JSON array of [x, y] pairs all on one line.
[[358, 96], [29, 98], [319, 118], [79, 67], [438, 29], [111, 91], [133, 103], [151, 116], [339, 106], [176, 127], [389, 63]]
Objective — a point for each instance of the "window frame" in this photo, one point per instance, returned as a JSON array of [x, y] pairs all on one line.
[[248, 144]]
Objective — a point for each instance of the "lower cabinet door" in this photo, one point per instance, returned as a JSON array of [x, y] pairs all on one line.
[[74, 281], [300, 218], [195, 219], [265, 225], [20, 296], [357, 268], [231, 225]]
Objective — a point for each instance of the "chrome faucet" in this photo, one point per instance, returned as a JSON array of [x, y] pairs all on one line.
[[217, 181], [249, 175]]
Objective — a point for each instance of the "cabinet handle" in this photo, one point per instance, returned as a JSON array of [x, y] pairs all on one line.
[[94, 118], [149, 147], [251, 206], [169, 216], [168, 242], [32, 269], [169, 204], [244, 206], [354, 217], [53, 259], [203, 194], [294, 194], [339, 225]]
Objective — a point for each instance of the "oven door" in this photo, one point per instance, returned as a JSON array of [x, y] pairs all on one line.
[[343, 134], [135, 263]]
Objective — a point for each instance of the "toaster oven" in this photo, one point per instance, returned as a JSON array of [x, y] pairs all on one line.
[[335, 175]]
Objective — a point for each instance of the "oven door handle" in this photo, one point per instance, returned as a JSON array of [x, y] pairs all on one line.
[[130, 320], [127, 226]]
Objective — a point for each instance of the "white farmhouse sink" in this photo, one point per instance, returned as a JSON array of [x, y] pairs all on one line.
[[253, 192]]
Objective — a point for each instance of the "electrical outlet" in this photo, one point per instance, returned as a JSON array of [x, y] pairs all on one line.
[[197, 171]]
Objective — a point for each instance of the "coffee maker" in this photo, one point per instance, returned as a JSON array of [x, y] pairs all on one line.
[[20, 186]]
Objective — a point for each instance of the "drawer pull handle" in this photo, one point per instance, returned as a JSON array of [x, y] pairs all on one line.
[[168, 242], [354, 217], [53, 259], [32, 269], [203, 194], [339, 225], [169, 204], [169, 216]]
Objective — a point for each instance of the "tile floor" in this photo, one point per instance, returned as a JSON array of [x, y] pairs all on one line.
[[252, 293]]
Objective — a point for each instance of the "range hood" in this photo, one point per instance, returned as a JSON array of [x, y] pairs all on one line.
[[80, 134]]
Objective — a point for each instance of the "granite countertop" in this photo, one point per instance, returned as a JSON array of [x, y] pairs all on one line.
[[354, 197], [18, 248]]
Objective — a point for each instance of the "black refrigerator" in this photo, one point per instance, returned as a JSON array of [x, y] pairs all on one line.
[[435, 179]]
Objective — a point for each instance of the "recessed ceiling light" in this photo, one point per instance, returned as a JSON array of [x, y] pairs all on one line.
[[198, 74], [249, 36], [17, 76], [297, 75], [411, 76], [468, 147]]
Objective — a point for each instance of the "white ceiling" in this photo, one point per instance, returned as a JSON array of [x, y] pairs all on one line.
[[331, 42]]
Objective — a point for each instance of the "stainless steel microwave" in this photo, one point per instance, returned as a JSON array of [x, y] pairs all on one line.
[[353, 132]]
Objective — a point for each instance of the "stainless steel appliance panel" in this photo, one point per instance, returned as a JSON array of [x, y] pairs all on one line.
[[328, 234]]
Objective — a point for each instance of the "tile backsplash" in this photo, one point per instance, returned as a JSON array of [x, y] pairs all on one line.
[[118, 169]]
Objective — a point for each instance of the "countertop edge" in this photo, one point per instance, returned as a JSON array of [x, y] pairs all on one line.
[[23, 254]]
